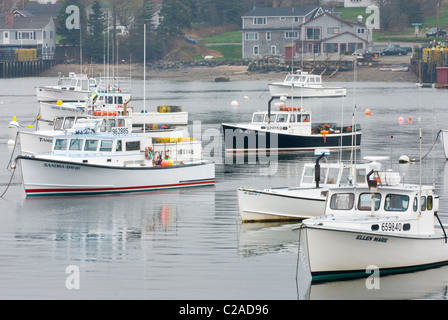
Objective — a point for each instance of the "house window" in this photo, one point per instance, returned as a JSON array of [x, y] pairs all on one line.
[[44, 34], [291, 35], [361, 31], [25, 35], [256, 50], [330, 47], [251, 36], [296, 19], [259, 20], [273, 50], [268, 35], [313, 34], [334, 30]]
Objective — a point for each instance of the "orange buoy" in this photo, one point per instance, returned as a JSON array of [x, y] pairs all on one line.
[[368, 112]]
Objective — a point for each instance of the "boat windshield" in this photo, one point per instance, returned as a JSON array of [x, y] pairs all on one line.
[[396, 202], [282, 118], [258, 117], [342, 201], [365, 201]]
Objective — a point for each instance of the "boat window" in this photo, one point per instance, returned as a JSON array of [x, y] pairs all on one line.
[[423, 200], [258, 118], [60, 144], [332, 175], [396, 202], [73, 83], [273, 117], [85, 85], [302, 79], [361, 176], [58, 123], [342, 201], [103, 126], [429, 203], [365, 201], [292, 118], [415, 205], [92, 82], [119, 100], [308, 175], [118, 147], [282, 118], [305, 118], [296, 79], [91, 145], [110, 100], [68, 123], [106, 145], [76, 144], [289, 78], [312, 79], [120, 122], [132, 145]]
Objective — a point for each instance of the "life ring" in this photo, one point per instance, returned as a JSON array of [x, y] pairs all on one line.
[[148, 153]]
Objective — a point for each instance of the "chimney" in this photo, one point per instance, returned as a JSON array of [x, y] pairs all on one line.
[[274, 4], [9, 19]]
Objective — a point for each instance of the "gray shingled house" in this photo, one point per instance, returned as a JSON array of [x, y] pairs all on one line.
[[287, 32]]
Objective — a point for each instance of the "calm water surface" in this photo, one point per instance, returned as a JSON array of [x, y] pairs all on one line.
[[190, 243]]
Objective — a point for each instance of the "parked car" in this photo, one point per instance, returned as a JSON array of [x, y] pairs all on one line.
[[394, 51], [435, 32]]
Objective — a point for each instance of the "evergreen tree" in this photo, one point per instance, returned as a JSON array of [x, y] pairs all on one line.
[[97, 28]]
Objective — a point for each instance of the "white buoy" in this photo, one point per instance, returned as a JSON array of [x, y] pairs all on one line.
[[14, 123], [234, 103], [404, 159], [246, 97]]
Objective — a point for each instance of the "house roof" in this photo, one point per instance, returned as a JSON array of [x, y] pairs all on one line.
[[44, 10], [281, 12], [351, 24], [25, 23]]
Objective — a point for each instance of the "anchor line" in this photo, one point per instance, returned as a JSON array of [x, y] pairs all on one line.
[[9, 183]]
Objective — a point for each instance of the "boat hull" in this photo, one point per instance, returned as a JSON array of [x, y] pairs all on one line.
[[343, 253], [48, 94], [280, 204], [238, 139], [279, 90], [43, 177]]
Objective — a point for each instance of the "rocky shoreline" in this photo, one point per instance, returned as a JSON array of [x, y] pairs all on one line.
[[233, 70]]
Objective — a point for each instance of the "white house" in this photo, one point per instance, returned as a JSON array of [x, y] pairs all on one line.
[[17, 32], [327, 34]]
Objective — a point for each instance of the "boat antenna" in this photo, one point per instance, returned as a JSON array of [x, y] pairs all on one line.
[[144, 77]]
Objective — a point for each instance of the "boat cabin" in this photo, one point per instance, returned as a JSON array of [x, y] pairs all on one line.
[[303, 79], [77, 82], [333, 174]]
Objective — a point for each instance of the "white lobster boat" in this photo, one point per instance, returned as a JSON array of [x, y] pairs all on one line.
[[113, 104], [305, 85], [84, 163], [75, 87], [309, 198], [388, 229], [41, 140]]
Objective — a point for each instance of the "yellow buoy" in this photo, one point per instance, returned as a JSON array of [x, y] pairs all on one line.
[[59, 102]]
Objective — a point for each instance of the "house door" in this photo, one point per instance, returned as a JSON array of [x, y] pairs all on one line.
[[316, 48], [343, 48], [6, 37]]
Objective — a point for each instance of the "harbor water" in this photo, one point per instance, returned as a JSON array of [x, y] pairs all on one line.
[[190, 243]]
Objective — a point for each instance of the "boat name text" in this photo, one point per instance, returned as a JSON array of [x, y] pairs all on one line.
[[61, 166], [371, 238]]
